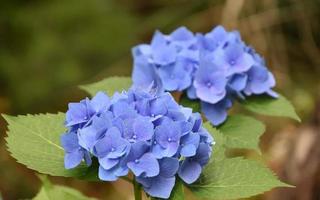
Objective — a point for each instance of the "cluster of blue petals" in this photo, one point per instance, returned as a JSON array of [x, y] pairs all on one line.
[[216, 68], [148, 134]]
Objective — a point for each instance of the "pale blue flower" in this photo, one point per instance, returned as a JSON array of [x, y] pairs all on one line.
[[210, 82], [141, 161]]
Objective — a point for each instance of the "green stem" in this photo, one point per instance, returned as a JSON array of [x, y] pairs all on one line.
[[137, 190]]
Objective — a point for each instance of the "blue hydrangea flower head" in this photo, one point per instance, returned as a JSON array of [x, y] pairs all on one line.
[[216, 68], [139, 131]]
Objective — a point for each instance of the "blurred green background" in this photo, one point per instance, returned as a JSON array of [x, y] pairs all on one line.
[[47, 48]]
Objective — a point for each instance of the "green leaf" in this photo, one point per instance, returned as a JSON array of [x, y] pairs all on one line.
[[267, 105], [220, 140], [34, 140], [53, 192], [186, 102], [235, 178], [242, 132], [178, 191], [108, 85]]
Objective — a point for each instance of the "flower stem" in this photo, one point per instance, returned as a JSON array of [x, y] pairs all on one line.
[[137, 190]]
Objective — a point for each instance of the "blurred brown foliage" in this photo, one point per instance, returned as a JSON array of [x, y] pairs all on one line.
[[47, 48]]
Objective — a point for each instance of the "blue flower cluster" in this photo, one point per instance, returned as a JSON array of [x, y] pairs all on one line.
[[216, 68], [142, 132]]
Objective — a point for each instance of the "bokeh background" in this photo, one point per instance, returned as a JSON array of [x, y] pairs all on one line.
[[49, 47]]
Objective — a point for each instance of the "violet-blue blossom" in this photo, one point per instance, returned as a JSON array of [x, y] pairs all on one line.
[[215, 68], [141, 161], [233, 59], [176, 76], [167, 138], [139, 131], [210, 82], [82, 112]]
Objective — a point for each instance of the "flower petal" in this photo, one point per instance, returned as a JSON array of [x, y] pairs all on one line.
[[189, 171], [147, 165], [73, 159], [168, 167], [161, 187]]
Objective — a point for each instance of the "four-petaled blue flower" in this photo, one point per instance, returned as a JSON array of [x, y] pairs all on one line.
[[210, 82], [141, 131], [167, 138], [217, 68]]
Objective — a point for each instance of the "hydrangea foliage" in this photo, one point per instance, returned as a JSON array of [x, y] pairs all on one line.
[[216, 68], [148, 134]]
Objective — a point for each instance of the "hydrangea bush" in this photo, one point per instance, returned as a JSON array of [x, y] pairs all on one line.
[[136, 131]]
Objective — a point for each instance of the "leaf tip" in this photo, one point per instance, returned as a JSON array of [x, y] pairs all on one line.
[[282, 184], [296, 117]]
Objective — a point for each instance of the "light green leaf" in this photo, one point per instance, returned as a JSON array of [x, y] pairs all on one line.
[[235, 178], [34, 140], [219, 139], [53, 192], [266, 105], [108, 85], [242, 132]]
